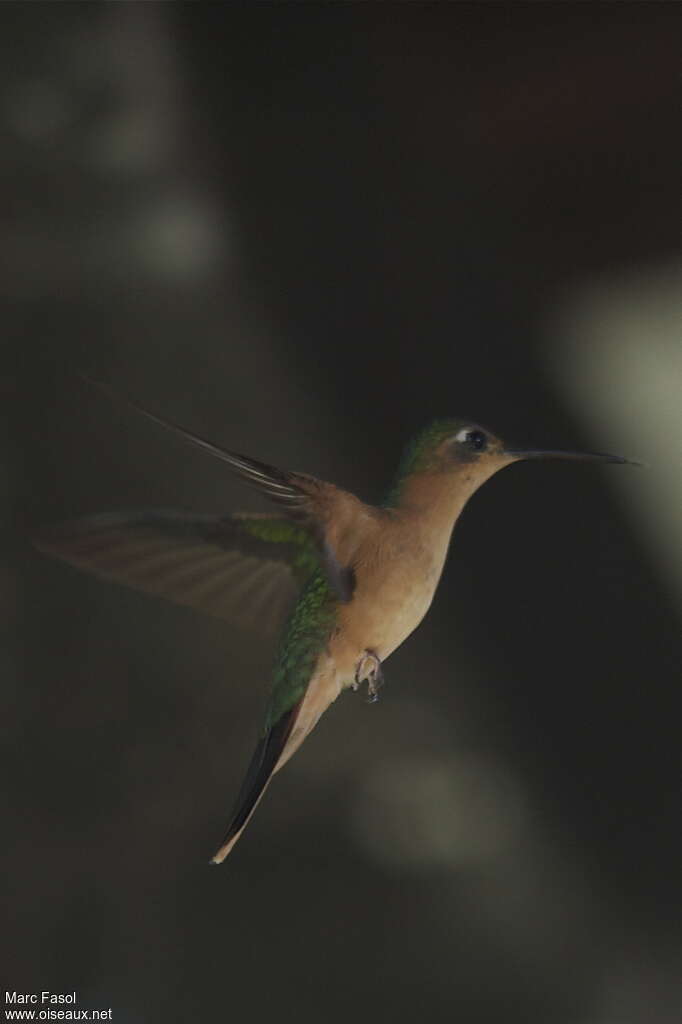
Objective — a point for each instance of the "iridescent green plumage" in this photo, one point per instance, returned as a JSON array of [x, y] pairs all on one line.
[[310, 622], [419, 452], [307, 631], [312, 619], [295, 542]]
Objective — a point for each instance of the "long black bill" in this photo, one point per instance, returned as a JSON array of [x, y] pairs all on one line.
[[544, 453]]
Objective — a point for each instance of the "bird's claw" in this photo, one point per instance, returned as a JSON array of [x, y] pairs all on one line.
[[369, 670]]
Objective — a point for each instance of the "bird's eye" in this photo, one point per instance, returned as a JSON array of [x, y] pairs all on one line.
[[472, 438]]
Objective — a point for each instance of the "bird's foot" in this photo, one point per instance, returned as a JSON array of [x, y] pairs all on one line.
[[368, 670]]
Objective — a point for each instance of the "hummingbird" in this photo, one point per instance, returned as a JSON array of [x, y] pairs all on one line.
[[356, 578]]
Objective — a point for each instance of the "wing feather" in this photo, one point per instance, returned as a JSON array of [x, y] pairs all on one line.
[[246, 570], [302, 498]]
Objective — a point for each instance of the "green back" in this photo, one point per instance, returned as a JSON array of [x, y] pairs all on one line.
[[309, 627]]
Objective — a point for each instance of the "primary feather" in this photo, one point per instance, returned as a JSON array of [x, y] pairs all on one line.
[[244, 569]]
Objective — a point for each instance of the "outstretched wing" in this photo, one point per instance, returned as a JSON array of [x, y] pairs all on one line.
[[301, 498], [246, 569]]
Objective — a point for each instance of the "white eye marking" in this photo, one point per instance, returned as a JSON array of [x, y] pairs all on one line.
[[473, 438]]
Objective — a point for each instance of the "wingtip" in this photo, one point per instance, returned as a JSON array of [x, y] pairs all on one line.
[[48, 537]]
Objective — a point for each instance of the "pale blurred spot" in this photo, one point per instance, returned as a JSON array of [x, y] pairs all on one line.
[[426, 811], [131, 143], [353, 737], [644, 987], [181, 237], [618, 357], [37, 111]]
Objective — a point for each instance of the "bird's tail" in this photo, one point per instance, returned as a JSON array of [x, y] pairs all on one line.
[[264, 763]]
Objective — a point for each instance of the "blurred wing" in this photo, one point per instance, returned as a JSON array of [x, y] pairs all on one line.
[[301, 498], [246, 570]]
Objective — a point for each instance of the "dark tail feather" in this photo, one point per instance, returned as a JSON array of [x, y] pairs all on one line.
[[263, 764]]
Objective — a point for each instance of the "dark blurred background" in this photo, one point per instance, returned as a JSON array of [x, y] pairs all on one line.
[[303, 230]]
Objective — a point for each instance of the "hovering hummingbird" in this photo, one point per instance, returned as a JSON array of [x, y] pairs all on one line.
[[365, 575]]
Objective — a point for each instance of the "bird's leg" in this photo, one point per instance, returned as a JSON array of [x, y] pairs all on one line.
[[369, 670]]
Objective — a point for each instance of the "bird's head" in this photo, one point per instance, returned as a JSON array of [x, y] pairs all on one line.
[[470, 454]]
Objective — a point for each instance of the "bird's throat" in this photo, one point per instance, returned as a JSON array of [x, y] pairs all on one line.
[[438, 498]]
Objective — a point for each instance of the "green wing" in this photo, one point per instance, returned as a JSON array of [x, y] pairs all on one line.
[[245, 569]]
